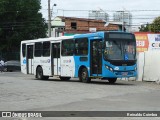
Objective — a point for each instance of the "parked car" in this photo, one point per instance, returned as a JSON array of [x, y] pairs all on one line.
[[12, 65]]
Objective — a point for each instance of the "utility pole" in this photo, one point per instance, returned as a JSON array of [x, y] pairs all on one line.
[[122, 20], [49, 19]]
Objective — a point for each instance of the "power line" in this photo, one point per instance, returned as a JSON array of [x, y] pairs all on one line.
[[19, 11], [18, 22], [84, 10], [19, 26], [109, 10]]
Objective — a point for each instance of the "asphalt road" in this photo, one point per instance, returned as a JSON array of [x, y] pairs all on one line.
[[19, 92]]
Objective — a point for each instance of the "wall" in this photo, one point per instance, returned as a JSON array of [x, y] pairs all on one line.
[[148, 56], [57, 22], [84, 25], [151, 66], [148, 66], [140, 66]]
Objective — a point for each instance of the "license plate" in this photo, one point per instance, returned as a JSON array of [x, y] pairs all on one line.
[[124, 73]]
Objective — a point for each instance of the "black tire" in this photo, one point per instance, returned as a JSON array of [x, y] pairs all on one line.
[[39, 74], [112, 80], [83, 76], [45, 77], [5, 69], [65, 78]]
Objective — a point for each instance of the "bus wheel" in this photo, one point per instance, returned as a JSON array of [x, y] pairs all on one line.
[[112, 80], [39, 73], [45, 77], [64, 78], [5, 70], [84, 76]]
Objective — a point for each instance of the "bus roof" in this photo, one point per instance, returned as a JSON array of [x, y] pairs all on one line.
[[47, 39], [97, 34]]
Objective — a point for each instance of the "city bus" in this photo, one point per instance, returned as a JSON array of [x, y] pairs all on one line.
[[105, 55]]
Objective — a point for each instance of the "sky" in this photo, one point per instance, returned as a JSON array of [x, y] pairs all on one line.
[[143, 11]]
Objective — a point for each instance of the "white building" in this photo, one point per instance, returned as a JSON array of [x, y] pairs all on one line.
[[57, 27], [98, 15], [125, 17]]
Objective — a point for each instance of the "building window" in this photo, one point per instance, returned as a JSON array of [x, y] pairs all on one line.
[[73, 25], [67, 47], [81, 46]]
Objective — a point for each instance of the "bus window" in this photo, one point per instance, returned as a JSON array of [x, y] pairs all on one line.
[[46, 49], [56, 50], [67, 47], [130, 50], [38, 49], [24, 50], [29, 51], [81, 46]]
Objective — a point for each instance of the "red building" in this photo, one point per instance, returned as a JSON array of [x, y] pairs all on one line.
[[72, 25]]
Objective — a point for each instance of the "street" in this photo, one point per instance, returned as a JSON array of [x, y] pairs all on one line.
[[19, 92]]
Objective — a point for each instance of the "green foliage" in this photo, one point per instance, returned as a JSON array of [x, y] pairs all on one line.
[[144, 28], [20, 20], [153, 27]]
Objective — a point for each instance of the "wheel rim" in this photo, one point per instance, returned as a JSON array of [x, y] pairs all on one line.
[[39, 73], [84, 75], [5, 69]]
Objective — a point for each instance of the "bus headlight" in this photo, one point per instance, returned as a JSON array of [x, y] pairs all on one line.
[[111, 69], [135, 68], [106, 66]]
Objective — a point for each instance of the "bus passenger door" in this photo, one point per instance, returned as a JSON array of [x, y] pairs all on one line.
[[55, 59], [96, 58], [29, 59]]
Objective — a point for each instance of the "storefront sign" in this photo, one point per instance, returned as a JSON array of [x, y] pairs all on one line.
[[154, 41], [142, 42]]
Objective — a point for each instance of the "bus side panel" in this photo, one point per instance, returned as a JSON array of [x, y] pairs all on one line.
[[67, 66], [81, 62], [23, 61], [43, 62], [23, 65]]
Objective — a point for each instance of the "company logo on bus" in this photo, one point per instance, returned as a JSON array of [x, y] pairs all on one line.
[[24, 61], [116, 68], [45, 61], [66, 61], [48, 60]]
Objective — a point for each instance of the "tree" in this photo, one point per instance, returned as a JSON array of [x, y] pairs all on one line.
[[20, 20], [144, 28], [153, 27]]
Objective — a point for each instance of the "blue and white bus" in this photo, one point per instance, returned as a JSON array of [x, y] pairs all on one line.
[[104, 55]]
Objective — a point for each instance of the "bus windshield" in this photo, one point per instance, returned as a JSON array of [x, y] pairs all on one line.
[[120, 50]]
